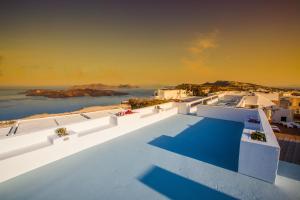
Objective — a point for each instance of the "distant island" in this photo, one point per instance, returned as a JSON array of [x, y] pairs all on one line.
[[73, 93], [93, 90], [100, 86]]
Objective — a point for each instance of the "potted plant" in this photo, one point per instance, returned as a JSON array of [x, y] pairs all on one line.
[[123, 113], [260, 136], [61, 132]]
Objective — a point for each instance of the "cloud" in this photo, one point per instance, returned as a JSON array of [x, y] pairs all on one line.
[[1, 69], [203, 43], [197, 51]]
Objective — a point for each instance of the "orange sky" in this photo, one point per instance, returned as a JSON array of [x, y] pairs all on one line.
[[53, 44]]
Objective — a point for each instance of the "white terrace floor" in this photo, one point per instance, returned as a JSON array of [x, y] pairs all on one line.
[[182, 157]]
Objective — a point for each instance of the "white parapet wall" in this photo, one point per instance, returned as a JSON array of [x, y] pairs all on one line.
[[226, 113], [260, 159], [22, 153], [212, 101], [256, 159], [191, 106]]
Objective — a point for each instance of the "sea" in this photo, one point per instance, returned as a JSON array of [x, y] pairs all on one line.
[[15, 105]]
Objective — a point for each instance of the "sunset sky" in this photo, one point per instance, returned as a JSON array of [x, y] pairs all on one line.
[[149, 42]]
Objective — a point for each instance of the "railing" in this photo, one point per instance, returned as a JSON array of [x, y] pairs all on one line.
[[203, 100]]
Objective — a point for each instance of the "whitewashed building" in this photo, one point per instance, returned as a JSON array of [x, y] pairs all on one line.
[[170, 94]]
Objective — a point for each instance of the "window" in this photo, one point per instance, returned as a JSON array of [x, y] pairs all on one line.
[[283, 119]]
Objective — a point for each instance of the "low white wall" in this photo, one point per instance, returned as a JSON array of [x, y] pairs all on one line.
[[256, 159], [183, 108], [24, 162], [236, 93], [251, 100], [212, 101], [226, 113], [260, 159], [144, 111], [266, 127], [264, 101], [186, 107], [258, 100], [150, 109], [16, 142], [271, 96], [242, 102], [88, 124]]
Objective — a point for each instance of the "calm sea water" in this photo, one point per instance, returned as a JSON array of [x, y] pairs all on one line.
[[14, 105]]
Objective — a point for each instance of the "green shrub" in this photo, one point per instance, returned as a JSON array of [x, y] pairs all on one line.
[[61, 132], [7, 123], [258, 136], [141, 103]]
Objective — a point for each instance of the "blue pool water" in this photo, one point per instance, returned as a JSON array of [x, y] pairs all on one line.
[[14, 105], [210, 140], [182, 157]]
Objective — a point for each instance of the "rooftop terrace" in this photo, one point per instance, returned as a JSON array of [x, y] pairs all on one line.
[[176, 158], [26, 126]]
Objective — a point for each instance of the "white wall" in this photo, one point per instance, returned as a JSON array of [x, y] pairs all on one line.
[[260, 159], [226, 113], [256, 159], [171, 94], [185, 107], [263, 101], [251, 100], [272, 96], [212, 101], [236, 93], [88, 124], [277, 113], [259, 100], [16, 142], [20, 162]]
